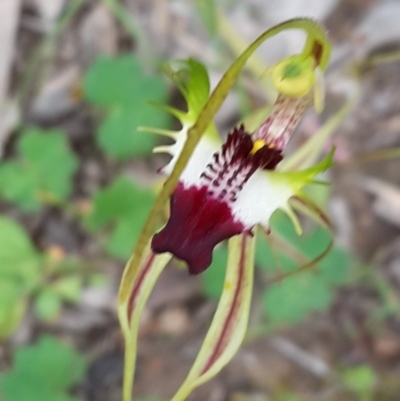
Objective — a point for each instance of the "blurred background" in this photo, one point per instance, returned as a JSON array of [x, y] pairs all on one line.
[[77, 179]]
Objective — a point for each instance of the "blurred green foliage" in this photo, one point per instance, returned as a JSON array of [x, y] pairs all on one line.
[[44, 371], [27, 274], [20, 266], [293, 298], [41, 171], [286, 396], [123, 207], [121, 88], [213, 278], [361, 381]]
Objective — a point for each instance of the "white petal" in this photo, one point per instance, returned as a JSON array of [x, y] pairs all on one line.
[[197, 162], [260, 198]]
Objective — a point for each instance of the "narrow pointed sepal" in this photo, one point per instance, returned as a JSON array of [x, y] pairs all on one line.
[[305, 204], [179, 114], [135, 289], [159, 131], [230, 321], [298, 179], [294, 219]]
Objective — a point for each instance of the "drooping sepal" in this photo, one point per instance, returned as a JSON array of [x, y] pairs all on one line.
[[298, 179], [135, 289], [230, 321], [307, 206]]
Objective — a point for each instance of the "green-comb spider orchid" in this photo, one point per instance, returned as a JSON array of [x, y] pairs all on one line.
[[220, 191]]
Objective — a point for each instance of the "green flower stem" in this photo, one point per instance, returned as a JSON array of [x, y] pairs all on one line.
[[129, 367], [237, 44]]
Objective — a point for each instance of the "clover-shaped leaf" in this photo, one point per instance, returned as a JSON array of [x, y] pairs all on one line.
[[293, 298], [19, 272], [49, 300], [43, 372], [18, 258], [120, 86], [12, 307], [123, 206], [42, 170]]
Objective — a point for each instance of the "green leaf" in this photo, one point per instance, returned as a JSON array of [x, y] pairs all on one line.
[[335, 267], [98, 280], [282, 225], [69, 288], [18, 258], [19, 185], [43, 372], [12, 307], [119, 137], [123, 207], [43, 169], [360, 379], [272, 260], [120, 85], [213, 278], [292, 299], [48, 304], [287, 397], [19, 272], [127, 229]]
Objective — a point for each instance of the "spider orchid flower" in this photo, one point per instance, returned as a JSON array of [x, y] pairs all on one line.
[[222, 190]]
